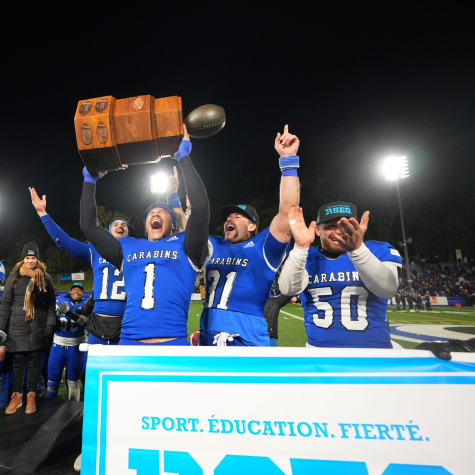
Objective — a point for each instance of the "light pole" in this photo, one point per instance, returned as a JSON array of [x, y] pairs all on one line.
[[395, 169]]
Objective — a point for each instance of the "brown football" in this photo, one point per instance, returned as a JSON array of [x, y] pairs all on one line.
[[205, 121]]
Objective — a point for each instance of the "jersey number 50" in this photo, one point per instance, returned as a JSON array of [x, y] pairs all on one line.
[[359, 323]]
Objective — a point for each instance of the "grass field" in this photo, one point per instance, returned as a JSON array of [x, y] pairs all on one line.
[[292, 332]]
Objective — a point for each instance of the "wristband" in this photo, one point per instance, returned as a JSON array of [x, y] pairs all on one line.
[[291, 162], [184, 149], [174, 200], [289, 172], [90, 177]]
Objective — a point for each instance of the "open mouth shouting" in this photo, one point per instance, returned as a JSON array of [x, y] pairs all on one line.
[[230, 227], [120, 232], [156, 223]]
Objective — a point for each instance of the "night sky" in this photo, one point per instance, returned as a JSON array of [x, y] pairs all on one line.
[[355, 84]]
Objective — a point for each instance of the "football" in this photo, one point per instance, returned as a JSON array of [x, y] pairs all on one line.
[[205, 121]]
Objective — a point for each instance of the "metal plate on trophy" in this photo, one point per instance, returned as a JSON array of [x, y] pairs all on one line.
[[96, 138]]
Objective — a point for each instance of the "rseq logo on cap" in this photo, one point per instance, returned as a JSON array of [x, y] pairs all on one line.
[[337, 209]]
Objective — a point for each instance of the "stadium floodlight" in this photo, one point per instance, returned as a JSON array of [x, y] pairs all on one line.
[[158, 183], [395, 169]]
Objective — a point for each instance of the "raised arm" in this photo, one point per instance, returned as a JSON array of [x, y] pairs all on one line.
[[197, 228], [104, 243], [173, 199], [72, 246], [286, 146], [293, 279], [381, 278]]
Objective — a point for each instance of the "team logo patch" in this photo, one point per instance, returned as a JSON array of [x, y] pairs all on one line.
[[249, 244], [337, 209], [242, 207], [31, 253]]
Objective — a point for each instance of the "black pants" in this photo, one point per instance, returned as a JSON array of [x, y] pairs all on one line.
[[19, 360]]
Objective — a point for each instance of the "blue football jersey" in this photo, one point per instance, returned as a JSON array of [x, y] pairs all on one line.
[[159, 281], [2, 273], [238, 281], [109, 287], [109, 293], [65, 327], [339, 309]]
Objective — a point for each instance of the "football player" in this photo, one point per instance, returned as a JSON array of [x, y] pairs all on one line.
[[65, 349], [109, 290], [244, 262], [346, 283], [159, 271], [2, 273]]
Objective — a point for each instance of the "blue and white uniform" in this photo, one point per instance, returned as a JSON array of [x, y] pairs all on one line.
[[2, 273], [109, 291], [340, 310], [159, 279], [65, 349], [238, 281]]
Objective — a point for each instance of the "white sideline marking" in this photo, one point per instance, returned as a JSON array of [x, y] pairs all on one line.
[[290, 315]]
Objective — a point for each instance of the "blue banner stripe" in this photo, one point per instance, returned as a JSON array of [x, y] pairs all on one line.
[[420, 380], [197, 364]]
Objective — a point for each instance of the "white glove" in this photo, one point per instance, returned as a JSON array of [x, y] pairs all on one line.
[[62, 308], [222, 338]]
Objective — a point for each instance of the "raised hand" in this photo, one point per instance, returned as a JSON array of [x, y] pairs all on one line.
[[185, 146], [303, 236], [62, 308], [39, 204], [351, 233], [172, 184], [286, 144]]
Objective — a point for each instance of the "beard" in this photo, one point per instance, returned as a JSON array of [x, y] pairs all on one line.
[[327, 247]]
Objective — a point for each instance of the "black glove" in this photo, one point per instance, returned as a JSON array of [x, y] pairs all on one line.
[[49, 331], [442, 349]]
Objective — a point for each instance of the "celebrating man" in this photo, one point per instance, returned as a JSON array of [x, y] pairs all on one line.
[[244, 262], [109, 293], [345, 282], [65, 349], [159, 271]]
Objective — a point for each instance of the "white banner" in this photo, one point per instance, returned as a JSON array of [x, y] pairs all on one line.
[[78, 276], [276, 411]]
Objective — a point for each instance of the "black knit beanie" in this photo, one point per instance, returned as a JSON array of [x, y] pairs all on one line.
[[30, 249]]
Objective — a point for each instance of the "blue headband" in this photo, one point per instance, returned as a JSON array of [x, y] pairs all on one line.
[[163, 206], [119, 219]]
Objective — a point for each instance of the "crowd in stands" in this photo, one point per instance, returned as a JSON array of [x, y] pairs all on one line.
[[455, 279]]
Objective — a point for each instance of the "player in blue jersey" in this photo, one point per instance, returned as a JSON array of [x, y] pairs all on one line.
[[159, 271], [2, 273], [109, 293], [346, 283], [244, 262], [65, 349]]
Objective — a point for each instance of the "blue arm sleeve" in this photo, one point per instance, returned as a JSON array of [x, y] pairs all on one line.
[[63, 241], [274, 251]]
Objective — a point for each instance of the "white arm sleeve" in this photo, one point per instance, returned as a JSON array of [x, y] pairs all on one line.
[[381, 278], [293, 279]]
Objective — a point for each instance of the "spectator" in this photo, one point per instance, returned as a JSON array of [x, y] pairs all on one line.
[[27, 315]]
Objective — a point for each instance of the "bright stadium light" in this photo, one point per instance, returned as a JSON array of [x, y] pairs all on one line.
[[158, 183], [395, 169]]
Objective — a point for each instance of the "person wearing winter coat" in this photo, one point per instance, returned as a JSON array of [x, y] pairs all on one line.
[[27, 316]]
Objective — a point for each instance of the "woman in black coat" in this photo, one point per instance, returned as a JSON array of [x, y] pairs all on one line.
[[27, 316]]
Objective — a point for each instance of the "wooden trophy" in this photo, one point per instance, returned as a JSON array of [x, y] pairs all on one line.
[[169, 125], [135, 128], [95, 134]]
